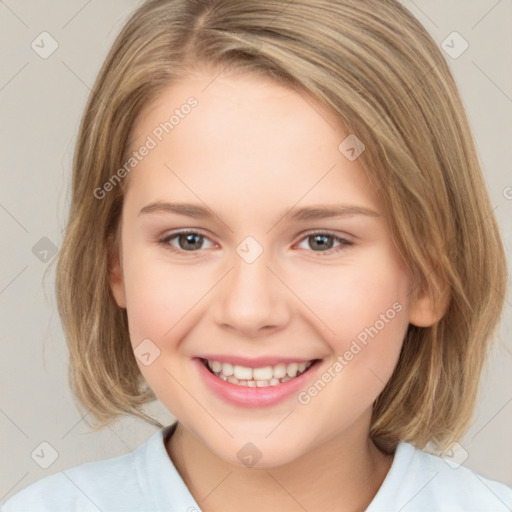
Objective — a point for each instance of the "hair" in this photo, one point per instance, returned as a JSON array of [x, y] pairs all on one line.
[[377, 69]]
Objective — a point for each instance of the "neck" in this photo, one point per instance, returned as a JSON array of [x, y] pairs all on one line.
[[342, 475]]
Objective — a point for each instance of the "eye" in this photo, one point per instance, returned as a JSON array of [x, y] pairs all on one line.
[[192, 241], [188, 241], [324, 241]]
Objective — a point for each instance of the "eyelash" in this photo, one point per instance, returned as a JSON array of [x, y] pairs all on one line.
[[343, 242]]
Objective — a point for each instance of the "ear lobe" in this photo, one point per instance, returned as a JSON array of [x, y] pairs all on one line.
[[116, 281], [426, 309]]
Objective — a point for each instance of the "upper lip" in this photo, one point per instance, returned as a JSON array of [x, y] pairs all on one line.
[[256, 362]]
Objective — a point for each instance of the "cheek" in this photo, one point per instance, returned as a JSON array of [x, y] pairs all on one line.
[[159, 294], [371, 353], [159, 298], [365, 307], [347, 299]]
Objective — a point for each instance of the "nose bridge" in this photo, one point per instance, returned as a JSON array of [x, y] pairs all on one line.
[[251, 296]]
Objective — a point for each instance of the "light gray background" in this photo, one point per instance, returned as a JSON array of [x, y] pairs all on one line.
[[41, 102]]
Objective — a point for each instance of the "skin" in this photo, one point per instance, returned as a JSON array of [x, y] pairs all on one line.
[[250, 149]]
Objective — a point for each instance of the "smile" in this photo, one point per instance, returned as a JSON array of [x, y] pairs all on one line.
[[255, 382], [270, 375]]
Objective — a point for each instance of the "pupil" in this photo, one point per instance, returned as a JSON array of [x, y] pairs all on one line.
[[189, 244], [320, 240]]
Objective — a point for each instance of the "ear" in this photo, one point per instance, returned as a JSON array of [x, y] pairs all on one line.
[[428, 308], [115, 274]]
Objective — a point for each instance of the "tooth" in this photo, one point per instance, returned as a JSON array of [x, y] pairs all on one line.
[[242, 372], [279, 371], [291, 369], [261, 383], [227, 369], [243, 375], [264, 373]]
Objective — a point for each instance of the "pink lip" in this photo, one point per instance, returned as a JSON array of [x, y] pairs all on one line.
[[257, 362], [244, 396]]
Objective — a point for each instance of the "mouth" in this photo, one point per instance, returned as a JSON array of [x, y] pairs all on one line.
[[260, 377]]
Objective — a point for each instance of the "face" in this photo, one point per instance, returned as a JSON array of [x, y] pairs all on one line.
[[254, 273]]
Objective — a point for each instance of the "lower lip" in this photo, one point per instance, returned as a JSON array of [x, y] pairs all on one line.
[[245, 396]]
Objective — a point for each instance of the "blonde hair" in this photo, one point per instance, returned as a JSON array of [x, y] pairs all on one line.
[[375, 66]]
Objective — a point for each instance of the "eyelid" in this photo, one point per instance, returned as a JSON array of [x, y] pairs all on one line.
[[176, 232], [330, 232]]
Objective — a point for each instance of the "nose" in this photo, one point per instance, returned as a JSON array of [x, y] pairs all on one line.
[[252, 300]]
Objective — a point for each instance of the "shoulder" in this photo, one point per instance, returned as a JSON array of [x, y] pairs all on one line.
[[81, 488], [110, 484], [421, 482]]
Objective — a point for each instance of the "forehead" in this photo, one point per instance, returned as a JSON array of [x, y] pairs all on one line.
[[246, 139], [235, 99]]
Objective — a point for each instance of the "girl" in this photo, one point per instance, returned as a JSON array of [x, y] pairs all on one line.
[[278, 228]]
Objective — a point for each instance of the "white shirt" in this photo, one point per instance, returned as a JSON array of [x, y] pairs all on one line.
[[146, 480]]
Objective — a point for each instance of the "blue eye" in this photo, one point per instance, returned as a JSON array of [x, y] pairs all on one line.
[[192, 241]]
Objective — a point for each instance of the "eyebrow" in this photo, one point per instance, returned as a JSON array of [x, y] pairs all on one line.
[[307, 213]]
